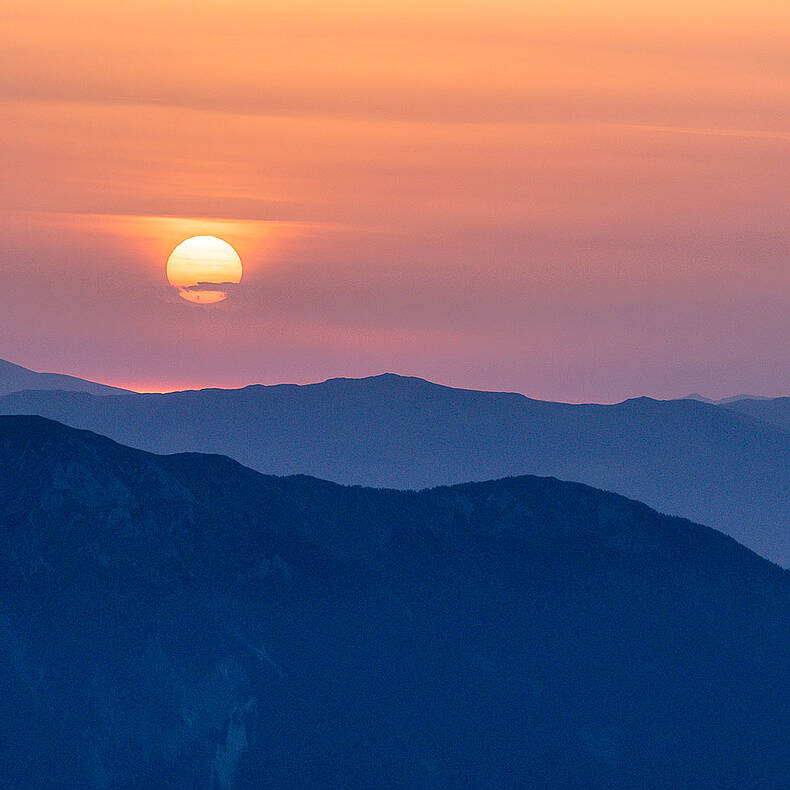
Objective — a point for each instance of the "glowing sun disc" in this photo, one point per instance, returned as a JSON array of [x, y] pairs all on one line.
[[204, 269]]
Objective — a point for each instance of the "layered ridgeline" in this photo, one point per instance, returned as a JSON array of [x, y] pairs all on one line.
[[185, 622], [685, 457], [774, 411], [14, 378]]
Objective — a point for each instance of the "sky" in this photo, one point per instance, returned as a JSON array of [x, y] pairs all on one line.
[[580, 201]]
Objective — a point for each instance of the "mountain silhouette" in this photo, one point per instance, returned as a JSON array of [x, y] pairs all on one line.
[[184, 622], [14, 378], [773, 411], [684, 457], [726, 401]]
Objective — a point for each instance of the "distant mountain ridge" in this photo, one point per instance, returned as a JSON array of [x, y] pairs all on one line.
[[15, 378], [772, 411], [727, 400], [684, 457], [185, 622]]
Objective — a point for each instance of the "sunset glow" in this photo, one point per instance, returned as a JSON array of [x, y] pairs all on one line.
[[394, 393], [597, 190]]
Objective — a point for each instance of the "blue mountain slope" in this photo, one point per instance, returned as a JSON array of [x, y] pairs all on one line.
[[185, 622], [682, 457], [773, 411]]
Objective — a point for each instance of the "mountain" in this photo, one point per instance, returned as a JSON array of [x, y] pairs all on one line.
[[185, 622], [734, 398], [773, 411], [697, 396], [15, 378], [682, 457], [725, 401]]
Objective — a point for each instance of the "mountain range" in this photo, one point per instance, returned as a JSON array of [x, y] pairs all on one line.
[[773, 411], [185, 622], [14, 378], [727, 466]]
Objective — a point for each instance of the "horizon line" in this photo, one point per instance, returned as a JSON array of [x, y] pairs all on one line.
[[160, 388]]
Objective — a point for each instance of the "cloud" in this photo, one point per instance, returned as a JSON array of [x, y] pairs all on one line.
[[222, 287]]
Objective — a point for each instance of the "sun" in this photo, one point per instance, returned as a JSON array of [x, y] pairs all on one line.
[[204, 269]]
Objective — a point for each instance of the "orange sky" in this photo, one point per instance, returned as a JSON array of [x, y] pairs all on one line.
[[585, 202]]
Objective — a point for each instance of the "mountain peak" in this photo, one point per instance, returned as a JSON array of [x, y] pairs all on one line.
[[383, 378], [682, 457], [15, 378], [163, 616]]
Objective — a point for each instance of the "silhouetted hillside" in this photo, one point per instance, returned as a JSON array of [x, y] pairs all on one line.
[[183, 622], [726, 401], [682, 457], [773, 411], [15, 378]]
